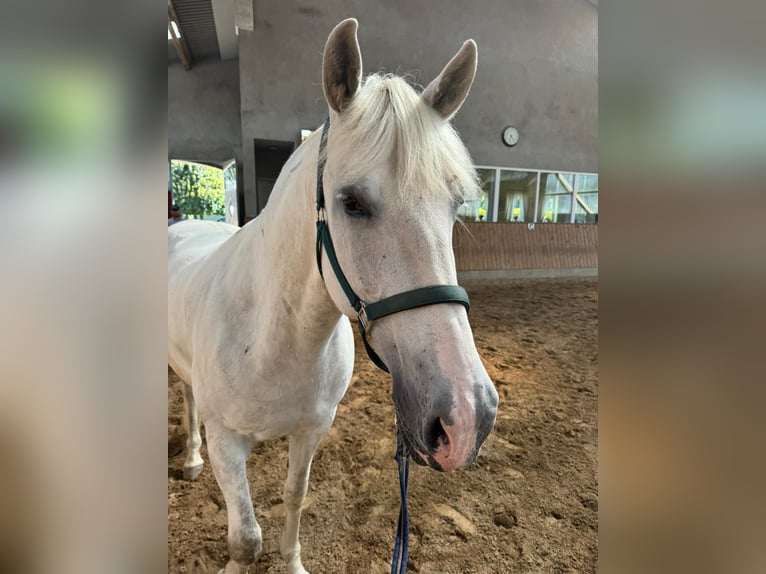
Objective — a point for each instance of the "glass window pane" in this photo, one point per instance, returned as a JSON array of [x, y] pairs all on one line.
[[555, 197], [478, 210], [586, 205], [230, 175], [517, 195], [587, 182]]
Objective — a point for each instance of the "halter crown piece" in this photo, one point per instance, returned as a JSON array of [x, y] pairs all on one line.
[[366, 314]]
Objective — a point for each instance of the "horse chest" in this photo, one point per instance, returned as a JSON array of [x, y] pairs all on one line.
[[271, 390]]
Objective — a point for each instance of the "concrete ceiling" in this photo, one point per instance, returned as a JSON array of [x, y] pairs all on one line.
[[225, 28], [208, 27]]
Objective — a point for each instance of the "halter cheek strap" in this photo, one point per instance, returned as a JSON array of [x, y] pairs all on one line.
[[369, 312]]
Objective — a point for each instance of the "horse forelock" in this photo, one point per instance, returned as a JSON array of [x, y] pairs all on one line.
[[388, 121]]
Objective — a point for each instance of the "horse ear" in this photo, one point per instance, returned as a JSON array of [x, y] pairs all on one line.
[[341, 65], [448, 91]]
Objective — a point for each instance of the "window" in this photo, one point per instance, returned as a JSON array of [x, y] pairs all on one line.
[[533, 196], [556, 197], [478, 210], [586, 199], [230, 175], [516, 196]]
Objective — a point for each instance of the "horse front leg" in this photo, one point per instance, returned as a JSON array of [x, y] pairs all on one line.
[[228, 452], [193, 463], [302, 448]]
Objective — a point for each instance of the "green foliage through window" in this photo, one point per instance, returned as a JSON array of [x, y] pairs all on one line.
[[197, 189]]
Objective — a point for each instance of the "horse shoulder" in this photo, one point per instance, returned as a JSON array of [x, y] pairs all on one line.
[[192, 265]]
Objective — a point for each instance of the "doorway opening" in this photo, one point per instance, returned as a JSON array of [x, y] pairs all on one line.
[[270, 156]]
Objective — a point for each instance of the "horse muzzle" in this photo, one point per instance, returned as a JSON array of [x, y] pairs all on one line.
[[448, 433]]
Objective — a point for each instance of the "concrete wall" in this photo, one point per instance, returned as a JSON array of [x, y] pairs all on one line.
[[513, 246], [204, 111], [537, 70]]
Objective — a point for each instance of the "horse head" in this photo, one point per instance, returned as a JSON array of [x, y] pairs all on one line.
[[395, 175]]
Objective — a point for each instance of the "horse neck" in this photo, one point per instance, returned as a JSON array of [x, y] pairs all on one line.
[[286, 232]]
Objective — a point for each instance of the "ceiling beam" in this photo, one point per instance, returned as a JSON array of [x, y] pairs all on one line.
[[182, 49]]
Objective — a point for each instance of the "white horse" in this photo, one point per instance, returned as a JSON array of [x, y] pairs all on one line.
[[263, 342]]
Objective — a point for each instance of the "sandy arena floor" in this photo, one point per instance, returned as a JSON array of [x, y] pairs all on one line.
[[529, 504]]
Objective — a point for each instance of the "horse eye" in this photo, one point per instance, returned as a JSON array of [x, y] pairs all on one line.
[[352, 207]]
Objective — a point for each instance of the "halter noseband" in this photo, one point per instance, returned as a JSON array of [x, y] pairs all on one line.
[[369, 312]]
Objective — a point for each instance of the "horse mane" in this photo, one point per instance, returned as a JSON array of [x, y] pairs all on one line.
[[387, 119]]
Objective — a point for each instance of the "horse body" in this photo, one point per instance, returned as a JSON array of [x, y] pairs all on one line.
[[263, 342], [259, 339], [262, 349]]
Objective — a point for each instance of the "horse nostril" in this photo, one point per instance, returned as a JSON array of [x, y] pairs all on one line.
[[435, 435]]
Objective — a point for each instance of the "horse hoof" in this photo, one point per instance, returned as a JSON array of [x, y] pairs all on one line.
[[234, 568], [296, 568], [192, 472]]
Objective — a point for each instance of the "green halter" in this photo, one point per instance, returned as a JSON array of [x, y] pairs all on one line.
[[369, 312]]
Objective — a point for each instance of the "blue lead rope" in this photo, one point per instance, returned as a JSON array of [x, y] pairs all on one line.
[[402, 543]]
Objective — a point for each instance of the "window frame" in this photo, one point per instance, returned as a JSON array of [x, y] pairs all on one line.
[[495, 199]]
